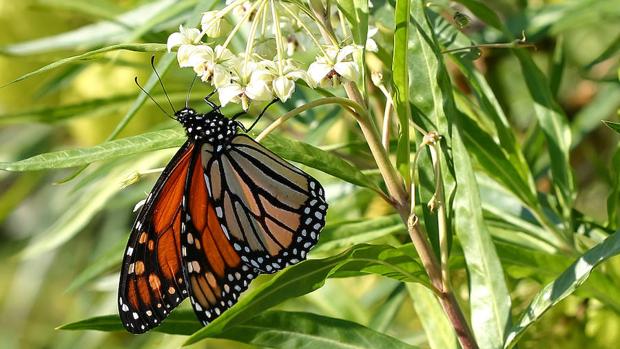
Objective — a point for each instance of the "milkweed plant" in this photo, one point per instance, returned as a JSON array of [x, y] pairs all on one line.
[[466, 203]]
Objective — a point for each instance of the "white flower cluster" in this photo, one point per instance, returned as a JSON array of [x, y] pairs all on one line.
[[265, 70]]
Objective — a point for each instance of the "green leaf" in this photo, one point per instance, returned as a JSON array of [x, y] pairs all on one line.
[[605, 103], [356, 13], [612, 125], [273, 329], [544, 267], [613, 200], [483, 13], [86, 107], [611, 51], [96, 9], [555, 127], [105, 262], [347, 234], [280, 329], [400, 79], [511, 220], [310, 275], [179, 322], [105, 151], [314, 157], [495, 162], [89, 36], [439, 331], [91, 55], [389, 309], [490, 108], [490, 301], [432, 93], [81, 210], [563, 286]]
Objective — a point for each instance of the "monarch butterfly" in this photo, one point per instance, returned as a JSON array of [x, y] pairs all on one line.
[[224, 210]]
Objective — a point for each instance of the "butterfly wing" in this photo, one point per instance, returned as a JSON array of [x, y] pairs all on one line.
[[214, 271], [152, 281], [271, 211]]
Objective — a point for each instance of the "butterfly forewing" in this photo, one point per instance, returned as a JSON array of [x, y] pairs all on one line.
[[271, 211], [152, 281], [214, 271]]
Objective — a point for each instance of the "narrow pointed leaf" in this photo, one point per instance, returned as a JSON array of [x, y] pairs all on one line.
[[280, 329], [564, 285], [105, 151], [314, 157], [179, 322], [439, 332], [310, 275], [89, 55]]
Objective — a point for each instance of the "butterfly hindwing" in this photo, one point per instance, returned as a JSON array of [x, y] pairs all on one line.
[[271, 211], [152, 280], [214, 271]]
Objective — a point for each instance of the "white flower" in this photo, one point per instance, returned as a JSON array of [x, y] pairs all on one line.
[[213, 24], [210, 64], [283, 82], [190, 36], [335, 66], [371, 44], [248, 81]]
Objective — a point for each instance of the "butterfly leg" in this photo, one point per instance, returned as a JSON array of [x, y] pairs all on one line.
[[261, 114]]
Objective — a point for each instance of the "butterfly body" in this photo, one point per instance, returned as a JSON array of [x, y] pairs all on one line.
[[224, 210], [212, 127]]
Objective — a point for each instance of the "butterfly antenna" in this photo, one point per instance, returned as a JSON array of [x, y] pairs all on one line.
[[261, 114], [153, 99], [189, 92], [161, 83]]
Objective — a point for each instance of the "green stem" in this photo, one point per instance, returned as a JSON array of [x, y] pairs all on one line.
[[238, 25], [278, 35], [307, 30], [252, 34], [441, 212]]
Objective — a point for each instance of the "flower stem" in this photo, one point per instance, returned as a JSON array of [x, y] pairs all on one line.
[[278, 36], [238, 25], [306, 29], [252, 34], [432, 138]]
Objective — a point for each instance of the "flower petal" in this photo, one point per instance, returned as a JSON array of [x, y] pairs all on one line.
[[258, 90], [347, 70], [345, 52], [229, 93], [283, 88], [174, 40], [318, 71], [184, 54], [223, 54], [221, 76], [371, 45]]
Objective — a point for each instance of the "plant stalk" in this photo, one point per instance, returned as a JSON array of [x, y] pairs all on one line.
[[400, 200], [445, 295]]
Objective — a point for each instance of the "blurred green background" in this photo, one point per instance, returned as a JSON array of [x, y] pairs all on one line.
[[59, 244]]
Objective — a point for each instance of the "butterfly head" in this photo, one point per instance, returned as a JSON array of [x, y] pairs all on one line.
[[185, 115], [212, 127]]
